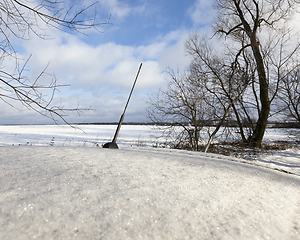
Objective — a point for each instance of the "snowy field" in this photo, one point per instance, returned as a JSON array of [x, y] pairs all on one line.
[[83, 135], [55, 183], [135, 135]]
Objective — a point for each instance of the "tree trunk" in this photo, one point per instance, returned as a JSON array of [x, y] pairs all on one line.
[[258, 134], [239, 123]]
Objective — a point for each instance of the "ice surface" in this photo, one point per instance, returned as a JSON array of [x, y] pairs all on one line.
[[142, 193]]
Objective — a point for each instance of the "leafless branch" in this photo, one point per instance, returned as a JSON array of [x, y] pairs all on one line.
[[22, 18]]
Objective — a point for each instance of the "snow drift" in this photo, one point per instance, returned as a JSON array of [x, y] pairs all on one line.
[[142, 193]]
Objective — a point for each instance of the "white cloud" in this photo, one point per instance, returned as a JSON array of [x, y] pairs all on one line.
[[202, 12], [119, 9], [107, 65], [116, 8], [102, 76]]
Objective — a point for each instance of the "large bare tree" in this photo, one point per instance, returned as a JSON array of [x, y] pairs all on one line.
[[19, 21], [245, 22]]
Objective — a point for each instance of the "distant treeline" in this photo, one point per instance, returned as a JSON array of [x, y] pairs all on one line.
[[283, 125], [273, 124], [115, 123]]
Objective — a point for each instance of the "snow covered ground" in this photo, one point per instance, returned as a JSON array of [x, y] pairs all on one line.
[[83, 135], [135, 135], [75, 190]]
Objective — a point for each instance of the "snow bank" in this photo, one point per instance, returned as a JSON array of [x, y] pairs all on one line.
[[141, 193]]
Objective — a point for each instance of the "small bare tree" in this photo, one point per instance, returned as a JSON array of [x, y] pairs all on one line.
[[290, 95], [225, 79], [205, 93], [183, 110], [20, 19]]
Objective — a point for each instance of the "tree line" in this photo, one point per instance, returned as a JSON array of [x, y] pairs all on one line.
[[246, 73]]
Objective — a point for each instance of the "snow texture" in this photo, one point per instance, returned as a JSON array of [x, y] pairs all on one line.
[[142, 193]]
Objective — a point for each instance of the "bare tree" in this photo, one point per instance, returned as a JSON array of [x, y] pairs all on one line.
[[290, 95], [20, 19], [245, 22], [227, 83], [183, 110], [225, 79], [205, 93]]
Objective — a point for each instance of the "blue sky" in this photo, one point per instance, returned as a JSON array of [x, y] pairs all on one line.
[[101, 67], [153, 20]]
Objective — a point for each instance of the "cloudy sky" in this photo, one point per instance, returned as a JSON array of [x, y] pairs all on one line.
[[101, 67]]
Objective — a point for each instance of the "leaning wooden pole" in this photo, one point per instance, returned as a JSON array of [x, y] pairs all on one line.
[[113, 144]]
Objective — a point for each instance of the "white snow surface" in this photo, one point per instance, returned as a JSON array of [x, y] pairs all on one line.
[[135, 135], [70, 191]]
